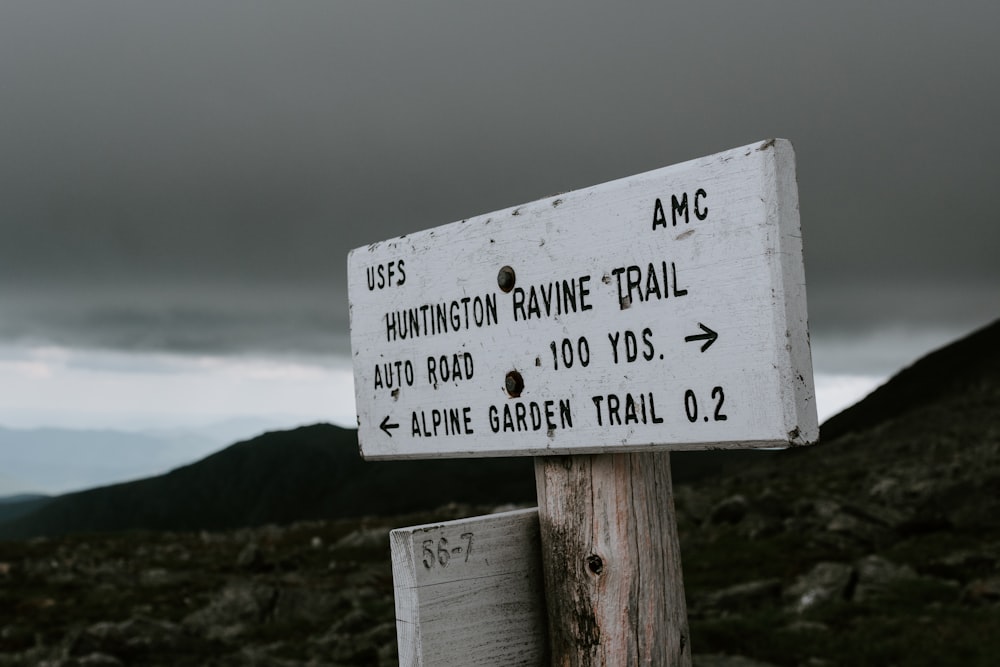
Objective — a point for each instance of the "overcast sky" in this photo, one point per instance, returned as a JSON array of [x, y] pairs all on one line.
[[186, 178]]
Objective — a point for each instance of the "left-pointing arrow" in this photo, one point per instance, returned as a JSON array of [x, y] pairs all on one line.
[[385, 426]]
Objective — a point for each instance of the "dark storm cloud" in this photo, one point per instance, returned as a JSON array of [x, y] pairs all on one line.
[[191, 175]]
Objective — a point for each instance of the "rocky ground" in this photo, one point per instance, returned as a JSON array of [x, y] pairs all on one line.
[[317, 593], [881, 548], [875, 549]]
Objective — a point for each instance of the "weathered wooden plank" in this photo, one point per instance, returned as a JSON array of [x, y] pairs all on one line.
[[665, 310], [612, 561], [469, 592]]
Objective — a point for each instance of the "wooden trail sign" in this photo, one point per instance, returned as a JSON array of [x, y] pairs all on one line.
[[613, 324], [662, 311], [470, 593]]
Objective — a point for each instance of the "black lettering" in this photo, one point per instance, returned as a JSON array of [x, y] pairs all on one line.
[[533, 308], [549, 415], [547, 297], [633, 278], [491, 309], [518, 301], [390, 327], [536, 416], [652, 411], [467, 419], [631, 347], [630, 415], [569, 296], [677, 291], [370, 274], [679, 207], [718, 393], [565, 415], [584, 292], [701, 215], [441, 316], [423, 311], [646, 334], [658, 217], [652, 284], [402, 274], [597, 404], [617, 273], [613, 405], [614, 344], [414, 322], [478, 311]]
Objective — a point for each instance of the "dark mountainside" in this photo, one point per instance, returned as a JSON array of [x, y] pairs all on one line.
[[313, 472], [956, 368], [13, 507], [880, 546]]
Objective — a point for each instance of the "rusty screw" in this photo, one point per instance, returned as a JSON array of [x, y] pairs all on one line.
[[506, 279]]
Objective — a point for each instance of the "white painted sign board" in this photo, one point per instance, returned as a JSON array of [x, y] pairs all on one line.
[[662, 311], [470, 592]]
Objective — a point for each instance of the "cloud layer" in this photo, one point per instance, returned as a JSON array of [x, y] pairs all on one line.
[[190, 176]]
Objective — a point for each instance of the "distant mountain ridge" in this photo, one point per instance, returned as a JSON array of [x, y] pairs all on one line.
[[310, 472], [60, 460], [48, 459]]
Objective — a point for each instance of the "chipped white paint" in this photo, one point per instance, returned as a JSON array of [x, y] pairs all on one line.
[[470, 593], [681, 322]]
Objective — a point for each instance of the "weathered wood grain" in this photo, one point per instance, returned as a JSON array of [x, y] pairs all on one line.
[[612, 561], [473, 599]]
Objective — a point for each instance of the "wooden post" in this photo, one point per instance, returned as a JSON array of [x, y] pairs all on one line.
[[611, 561]]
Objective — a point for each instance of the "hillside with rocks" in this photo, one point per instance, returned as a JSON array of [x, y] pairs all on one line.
[[880, 546]]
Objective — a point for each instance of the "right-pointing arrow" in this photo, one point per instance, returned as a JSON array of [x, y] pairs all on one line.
[[709, 337]]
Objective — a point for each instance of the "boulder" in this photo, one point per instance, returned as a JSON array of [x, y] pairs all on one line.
[[730, 510], [739, 597], [877, 575], [824, 584]]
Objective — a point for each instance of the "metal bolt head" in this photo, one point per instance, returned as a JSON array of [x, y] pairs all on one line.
[[514, 384], [506, 279]]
